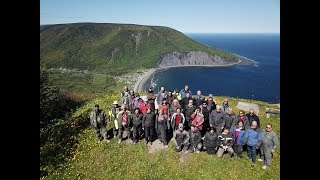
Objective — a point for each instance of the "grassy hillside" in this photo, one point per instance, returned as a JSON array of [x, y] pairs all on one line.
[[112, 49], [89, 160]]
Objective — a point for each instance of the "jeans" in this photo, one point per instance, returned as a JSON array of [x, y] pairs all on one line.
[[252, 152]]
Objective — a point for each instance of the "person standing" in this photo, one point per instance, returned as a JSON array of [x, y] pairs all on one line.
[[231, 118], [125, 96], [148, 124], [216, 119], [136, 120], [124, 117], [151, 99], [170, 98], [225, 105], [238, 133], [211, 105], [253, 117], [184, 91], [176, 119], [188, 111], [161, 94], [114, 119], [206, 113], [198, 99], [242, 117], [161, 127], [98, 121], [197, 119], [269, 143], [253, 139]]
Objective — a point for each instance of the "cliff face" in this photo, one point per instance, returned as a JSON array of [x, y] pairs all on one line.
[[192, 58]]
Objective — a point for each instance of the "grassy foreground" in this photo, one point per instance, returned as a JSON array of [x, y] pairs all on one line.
[[92, 160]]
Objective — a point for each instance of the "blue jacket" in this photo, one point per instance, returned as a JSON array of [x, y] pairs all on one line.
[[253, 137], [241, 135], [183, 93]]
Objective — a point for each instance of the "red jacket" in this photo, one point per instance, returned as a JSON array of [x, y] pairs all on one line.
[[197, 120]]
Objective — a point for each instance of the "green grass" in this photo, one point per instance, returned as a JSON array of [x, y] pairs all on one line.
[[90, 83], [91, 160]]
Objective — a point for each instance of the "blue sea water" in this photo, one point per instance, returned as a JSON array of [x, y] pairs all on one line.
[[261, 82]]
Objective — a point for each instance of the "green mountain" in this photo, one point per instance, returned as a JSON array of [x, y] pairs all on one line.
[[113, 49]]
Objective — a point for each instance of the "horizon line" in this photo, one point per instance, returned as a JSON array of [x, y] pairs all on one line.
[[173, 28]]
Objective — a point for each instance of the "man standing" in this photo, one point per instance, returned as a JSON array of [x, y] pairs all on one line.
[[184, 91], [198, 99], [269, 143], [253, 139], [148, 125], [124, 117], [136, 120], [98, 121], [216, 119], [114, 119], [253, 117]]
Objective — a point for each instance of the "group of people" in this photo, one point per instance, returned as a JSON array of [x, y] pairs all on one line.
[[193, 123]]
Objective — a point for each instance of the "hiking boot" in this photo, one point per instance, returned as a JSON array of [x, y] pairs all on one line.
[[260, 160], [146, 142], [119, 141], [150, 142], [107, 140], [264, 167], [166, 146], [197, 151], [253, 164]]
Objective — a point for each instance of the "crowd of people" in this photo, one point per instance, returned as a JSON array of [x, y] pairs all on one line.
[[194, 124]]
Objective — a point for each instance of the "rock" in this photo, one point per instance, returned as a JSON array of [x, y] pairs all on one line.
[[247, 106], [156, 146], [192, 58]]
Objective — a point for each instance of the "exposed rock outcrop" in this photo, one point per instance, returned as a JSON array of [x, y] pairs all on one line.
[[192, 58]]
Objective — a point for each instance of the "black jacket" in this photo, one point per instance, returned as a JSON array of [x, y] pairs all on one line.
[[195, 137], [253, 117], [210, 139], [148, 119], [136, 119]]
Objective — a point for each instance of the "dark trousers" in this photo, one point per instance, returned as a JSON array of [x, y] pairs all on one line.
[[149, 133], [122, 129], [162, 134], [252, 152], [184, 146], [103, 129], [238, 149], [211, 150], [137, 131]]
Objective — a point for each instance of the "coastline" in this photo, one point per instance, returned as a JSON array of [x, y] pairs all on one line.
[[140, 84]]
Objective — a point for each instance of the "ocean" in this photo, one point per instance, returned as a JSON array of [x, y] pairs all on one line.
[[260, 82]]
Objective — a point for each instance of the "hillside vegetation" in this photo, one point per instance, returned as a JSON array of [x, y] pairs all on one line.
[[113, 49]]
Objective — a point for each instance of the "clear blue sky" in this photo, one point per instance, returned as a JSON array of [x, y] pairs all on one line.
[[187, 16]]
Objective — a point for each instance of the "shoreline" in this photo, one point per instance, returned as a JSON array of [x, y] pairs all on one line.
[[140, 84]]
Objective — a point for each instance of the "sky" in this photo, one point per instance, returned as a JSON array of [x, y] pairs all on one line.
[[187, 16]]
